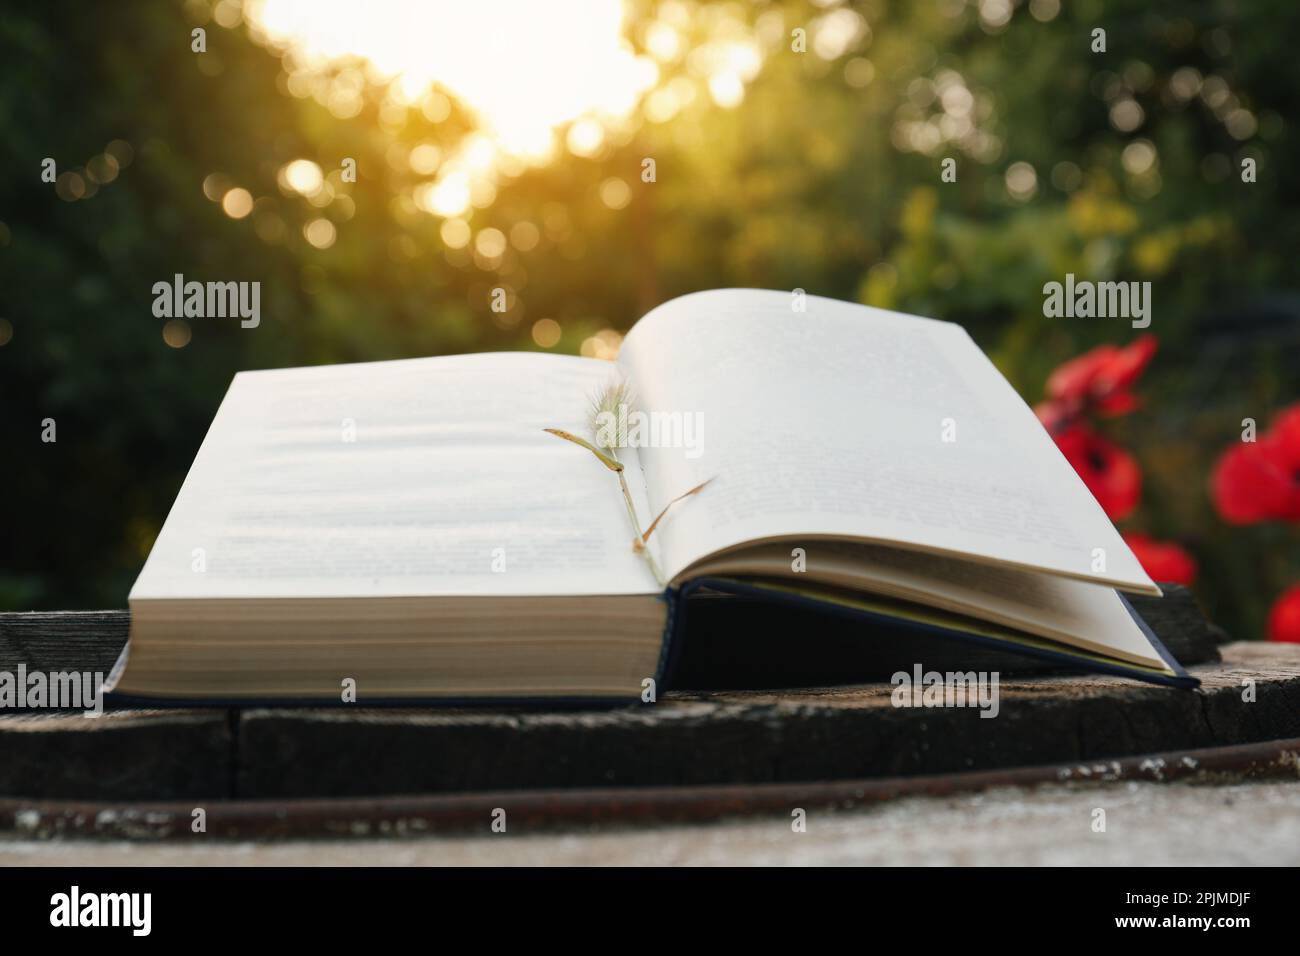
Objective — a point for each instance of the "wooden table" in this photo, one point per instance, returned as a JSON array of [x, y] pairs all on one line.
[[694, 754]]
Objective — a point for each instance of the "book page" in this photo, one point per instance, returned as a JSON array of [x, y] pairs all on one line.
[[1087, 616], [419, 477], [847, 421]]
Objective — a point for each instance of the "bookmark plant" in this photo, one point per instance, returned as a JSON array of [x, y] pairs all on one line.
[[605, 445]]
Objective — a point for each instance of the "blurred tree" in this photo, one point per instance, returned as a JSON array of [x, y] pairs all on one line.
[[818, 169]]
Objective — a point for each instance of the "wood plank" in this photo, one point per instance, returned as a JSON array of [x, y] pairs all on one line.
[[62, 640], [121, 755], [533, 811], [1220, 822], [762, 737], [686, 738]]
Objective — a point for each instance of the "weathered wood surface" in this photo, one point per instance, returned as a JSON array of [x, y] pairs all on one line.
[[730, 737], [123, 755], [686, 738], [760, 737], [536, 811], [63, 640], [1226, 823]]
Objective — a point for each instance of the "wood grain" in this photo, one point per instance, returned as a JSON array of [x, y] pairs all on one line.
[[764, 737]]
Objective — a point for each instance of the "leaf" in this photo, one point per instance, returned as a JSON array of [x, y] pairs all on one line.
[[613, 464]]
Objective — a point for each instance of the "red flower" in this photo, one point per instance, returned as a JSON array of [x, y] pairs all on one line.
[[1110, 472], [1284, 619], [1260, 480], [1101, 378], [1055, 416], [1163, 560]]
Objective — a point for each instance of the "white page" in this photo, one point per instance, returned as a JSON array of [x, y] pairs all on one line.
[[449, 463], [1081, 615], [829, 422]]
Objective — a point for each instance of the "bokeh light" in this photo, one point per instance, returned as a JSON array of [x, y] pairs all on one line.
[[177, 333], [320, 233], [546, 333], [517, 81], [237, 203], [303, 177]]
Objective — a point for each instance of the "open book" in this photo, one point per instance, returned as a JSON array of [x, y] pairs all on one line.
[[408, 529]]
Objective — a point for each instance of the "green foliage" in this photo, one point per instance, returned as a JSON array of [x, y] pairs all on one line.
[[811, 182]]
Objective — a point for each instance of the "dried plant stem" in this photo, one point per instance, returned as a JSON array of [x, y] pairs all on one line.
[[685, 494], [639, 545], [614, 465]]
